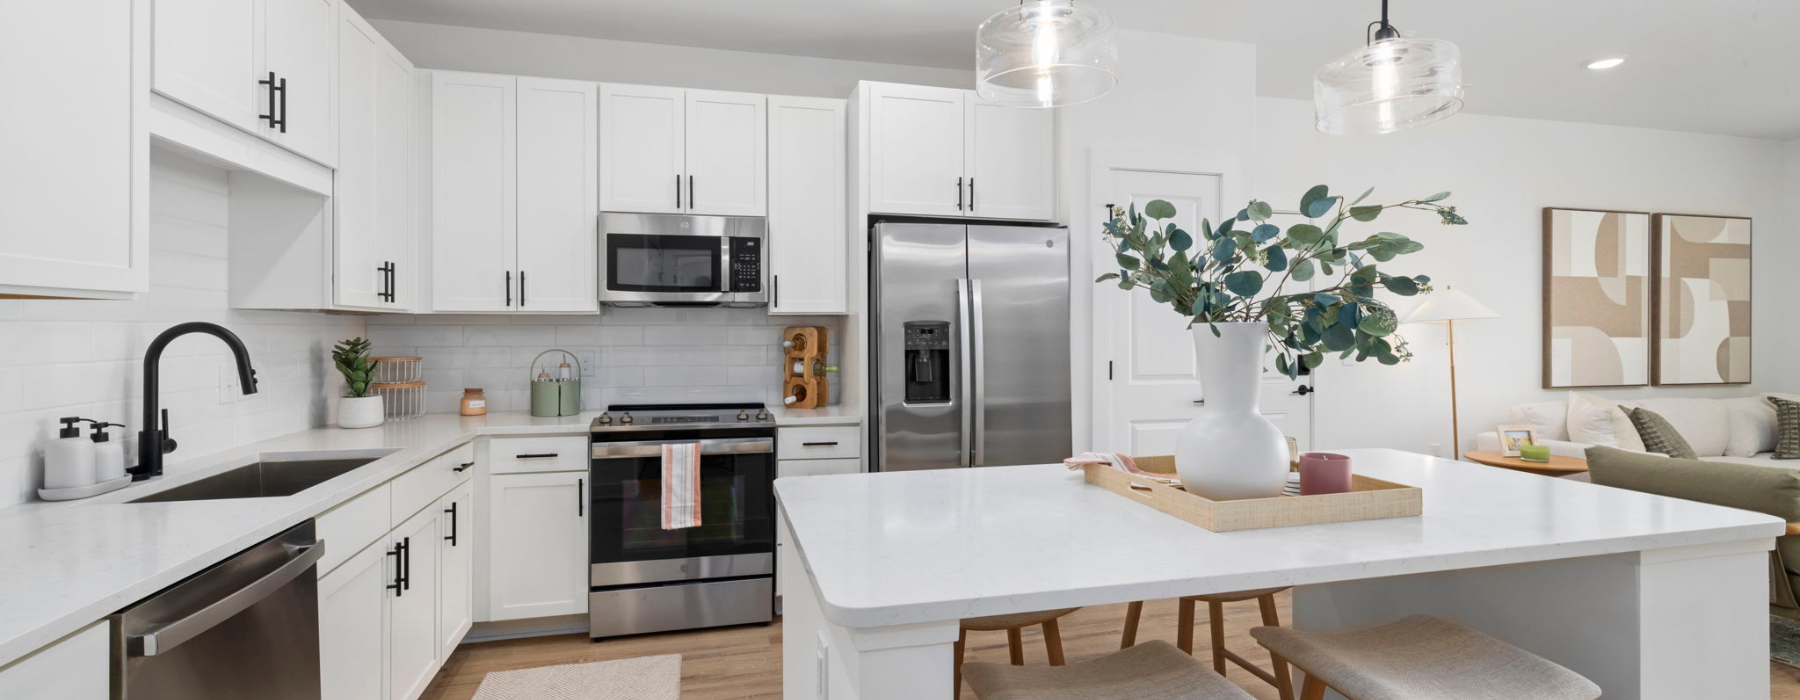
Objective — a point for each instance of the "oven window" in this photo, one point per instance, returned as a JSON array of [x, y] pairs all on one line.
[[638, 263], [737, 510]]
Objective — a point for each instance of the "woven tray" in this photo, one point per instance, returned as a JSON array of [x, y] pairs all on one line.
[[1369, 499]]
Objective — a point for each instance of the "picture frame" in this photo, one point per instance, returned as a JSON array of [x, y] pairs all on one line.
[[1512, 436], [1701, 285], [1597, 318]]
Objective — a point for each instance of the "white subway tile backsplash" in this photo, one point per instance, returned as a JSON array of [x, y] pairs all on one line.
[[687, 335], [509, 336]]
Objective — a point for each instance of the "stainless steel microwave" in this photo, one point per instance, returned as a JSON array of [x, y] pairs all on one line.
[[679, 260]]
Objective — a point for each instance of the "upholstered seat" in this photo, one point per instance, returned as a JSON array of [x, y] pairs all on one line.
[[1148, 671], [1422, 658]]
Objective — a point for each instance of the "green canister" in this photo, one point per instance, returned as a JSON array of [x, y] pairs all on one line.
[[555, 392]]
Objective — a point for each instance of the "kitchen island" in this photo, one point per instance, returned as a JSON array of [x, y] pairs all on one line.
[[1649, 597]]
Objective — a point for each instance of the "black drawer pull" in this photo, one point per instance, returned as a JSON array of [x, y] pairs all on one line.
[[819, 444], [452, 511], [462, 467], [542, 455]]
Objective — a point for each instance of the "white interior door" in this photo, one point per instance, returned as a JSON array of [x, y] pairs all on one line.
[[1011, 165], [558, 201], [916, 150], [474, 198], [641, 133], [727, 153], [300, 48], [1148, 382]]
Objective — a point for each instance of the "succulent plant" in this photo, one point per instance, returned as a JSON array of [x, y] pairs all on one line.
[[352, 360]]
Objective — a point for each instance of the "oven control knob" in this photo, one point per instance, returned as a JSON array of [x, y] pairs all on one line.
[[605, 418], [743, 416], [762, 414], [624, 419]]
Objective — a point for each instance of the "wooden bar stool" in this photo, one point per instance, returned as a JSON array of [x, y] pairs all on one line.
[[1421, 658], [1149, 671], [1014, 626], [1215, 605]]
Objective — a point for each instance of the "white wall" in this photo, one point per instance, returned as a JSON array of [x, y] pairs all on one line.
[[1175, 94], [1503, 172], [84, 358], [603, 60]]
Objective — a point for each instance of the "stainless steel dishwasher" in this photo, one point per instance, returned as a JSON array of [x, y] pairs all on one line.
[[247, 628]]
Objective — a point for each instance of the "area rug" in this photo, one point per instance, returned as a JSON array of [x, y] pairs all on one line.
[[1784, 641], [643, 678]]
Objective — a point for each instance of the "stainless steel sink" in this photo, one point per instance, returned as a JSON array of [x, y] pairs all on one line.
[[270, 475]]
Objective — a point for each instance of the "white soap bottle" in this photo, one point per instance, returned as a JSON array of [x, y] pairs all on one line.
[[69, 460], [109, 456]]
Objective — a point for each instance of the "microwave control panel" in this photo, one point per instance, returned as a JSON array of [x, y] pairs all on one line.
[[746, 264]]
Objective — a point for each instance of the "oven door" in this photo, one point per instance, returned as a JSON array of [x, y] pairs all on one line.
[[736, 537], [657, 268]]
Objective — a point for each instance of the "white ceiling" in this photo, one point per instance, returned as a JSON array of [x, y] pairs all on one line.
[[1712, 66]]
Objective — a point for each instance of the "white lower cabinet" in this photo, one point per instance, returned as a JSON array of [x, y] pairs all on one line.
[[413, 644], [537, 544], [353, 615], [76, 668], [456, 562]]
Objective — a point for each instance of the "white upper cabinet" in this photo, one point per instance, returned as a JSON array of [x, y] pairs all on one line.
[[474, 209], [944, 152], [74, 187], [375, 266], [669, 151], [559, 211], [807, 261], [727, 153], [264, 66]]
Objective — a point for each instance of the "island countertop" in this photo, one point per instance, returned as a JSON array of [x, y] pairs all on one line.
[[897, 548]]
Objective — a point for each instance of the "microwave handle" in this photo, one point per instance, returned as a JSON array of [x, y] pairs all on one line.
[[727, 266]]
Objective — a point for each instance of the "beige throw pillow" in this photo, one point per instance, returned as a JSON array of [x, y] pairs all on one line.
[[1590, 420]]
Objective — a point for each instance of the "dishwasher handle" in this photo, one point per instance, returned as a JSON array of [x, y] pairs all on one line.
[[172, 635]]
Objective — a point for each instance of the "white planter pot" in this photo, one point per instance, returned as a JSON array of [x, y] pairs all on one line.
[[360, 412], [1230, 451]]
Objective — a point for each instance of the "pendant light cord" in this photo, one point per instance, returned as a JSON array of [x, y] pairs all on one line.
[[1387, 30]]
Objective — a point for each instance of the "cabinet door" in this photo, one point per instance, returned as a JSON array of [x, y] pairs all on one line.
[[473, 214], [916, 150], [806, 206], [353, 614], [727, 153], [455, 613], [559, 210], [76, 668], [300, 48], [537, 544], [641, 134], [413, 642], [209, 57], [1011, 162], [73, 218], [372, 186]]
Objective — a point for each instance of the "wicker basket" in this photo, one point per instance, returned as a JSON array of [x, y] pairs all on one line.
[[398, 370], [403, 400], [1369, 499]]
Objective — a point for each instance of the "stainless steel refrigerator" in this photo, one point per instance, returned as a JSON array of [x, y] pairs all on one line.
[[971, 353]]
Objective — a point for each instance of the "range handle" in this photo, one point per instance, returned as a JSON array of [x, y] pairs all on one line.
[[653, 448], [167, 637]]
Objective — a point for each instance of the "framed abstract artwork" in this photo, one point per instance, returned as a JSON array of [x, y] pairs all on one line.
[[1597, 298], [1702, 290]]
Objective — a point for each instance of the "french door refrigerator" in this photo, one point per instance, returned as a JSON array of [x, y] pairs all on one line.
[[971, 352]]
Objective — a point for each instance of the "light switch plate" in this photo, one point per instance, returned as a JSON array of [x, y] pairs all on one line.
[[229, 390]]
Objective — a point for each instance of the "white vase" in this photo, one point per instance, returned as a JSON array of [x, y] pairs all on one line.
[[360, 412], [1230, 451]]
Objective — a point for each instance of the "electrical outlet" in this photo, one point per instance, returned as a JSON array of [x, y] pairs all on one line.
[[229, 389], [589, 360]]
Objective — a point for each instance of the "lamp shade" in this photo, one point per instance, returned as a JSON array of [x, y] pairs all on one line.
[[1046, 53], [1450, 305], [1392, 84]]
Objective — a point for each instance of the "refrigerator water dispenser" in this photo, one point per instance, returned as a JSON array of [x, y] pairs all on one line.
[[927, 362]]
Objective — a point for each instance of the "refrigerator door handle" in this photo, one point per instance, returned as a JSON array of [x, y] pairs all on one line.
[[965, 442], [977, 442]]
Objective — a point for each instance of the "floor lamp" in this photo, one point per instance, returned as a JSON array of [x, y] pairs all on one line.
[[1450, 306]]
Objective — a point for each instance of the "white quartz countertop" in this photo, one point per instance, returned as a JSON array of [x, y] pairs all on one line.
[[829, 415], [899, 548]]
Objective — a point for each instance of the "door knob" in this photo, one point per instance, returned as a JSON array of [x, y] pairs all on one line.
[[1304, 390]]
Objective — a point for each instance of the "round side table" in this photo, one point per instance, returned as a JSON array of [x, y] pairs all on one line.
[[1557, 466]]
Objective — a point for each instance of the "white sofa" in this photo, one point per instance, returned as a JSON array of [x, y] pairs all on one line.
[[1738, 429]]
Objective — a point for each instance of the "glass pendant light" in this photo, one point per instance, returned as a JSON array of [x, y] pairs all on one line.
[[1392, 83], [1046, 53]]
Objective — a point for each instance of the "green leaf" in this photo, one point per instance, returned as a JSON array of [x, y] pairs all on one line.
[[1261, 211], [1378, 324], [1436, 197], [1365, 195], [1179, 240], [1365, 214], [1244, 284], [1105, 277], [1403, 286], [1278, 259], [1339, 338], [1303, 271], [1159, 209], [1264, 232], [1305, 236], [1128, 262], [1312, 197], [1313, 359], [1326, 299], [1224, 249]]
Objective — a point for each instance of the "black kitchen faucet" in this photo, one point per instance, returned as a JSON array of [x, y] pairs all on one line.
[[154, 440]]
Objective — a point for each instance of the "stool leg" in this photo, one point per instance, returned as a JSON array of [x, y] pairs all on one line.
[[1053, 642], [1184, 626], [1314, 688], [962, 639], [1216, 612], [1015, 643], [1133, 612], [1284, 684]]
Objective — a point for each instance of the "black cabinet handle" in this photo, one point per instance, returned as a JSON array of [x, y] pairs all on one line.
[[521, 289], [580, 498], [393, 281], [971, 194], [692, 202], [833, 443], [452, 511], [462, 467], [283, 89], [398, 554], [775, 285], [270, 117], [406, 555], [539, 455], [509, 287], [959, 200], [677, 190]]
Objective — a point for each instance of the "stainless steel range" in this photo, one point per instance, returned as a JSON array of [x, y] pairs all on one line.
[[643, 578]]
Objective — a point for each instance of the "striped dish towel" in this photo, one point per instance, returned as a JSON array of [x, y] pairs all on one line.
[[1119, 461], [681, 486]]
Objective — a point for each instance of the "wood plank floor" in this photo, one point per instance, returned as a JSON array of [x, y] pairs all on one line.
[[745, 662]]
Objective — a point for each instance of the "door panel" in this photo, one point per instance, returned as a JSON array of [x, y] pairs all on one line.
[[474, 205], [727, 151], [209, 57], [915, 150], [557, 195], [917, 269], [300, 47], [372, 187], [1020, 306], [537, 545], [457, 547], [806, 206], [1011, 162], [353, 614], [641, 133], [413, 644]]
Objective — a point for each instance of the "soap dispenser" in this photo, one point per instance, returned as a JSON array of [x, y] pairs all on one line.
[[109, 456], [69, 460]]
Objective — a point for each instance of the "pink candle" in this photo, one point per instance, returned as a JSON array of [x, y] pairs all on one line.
[[1324, 472]]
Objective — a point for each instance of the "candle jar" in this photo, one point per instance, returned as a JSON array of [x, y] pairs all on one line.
[[474, 403]]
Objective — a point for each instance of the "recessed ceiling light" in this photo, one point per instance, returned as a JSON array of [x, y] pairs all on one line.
[[1605, 63]]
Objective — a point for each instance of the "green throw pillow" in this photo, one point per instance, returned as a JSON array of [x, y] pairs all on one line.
[[1658, 435], [1787, 431]]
